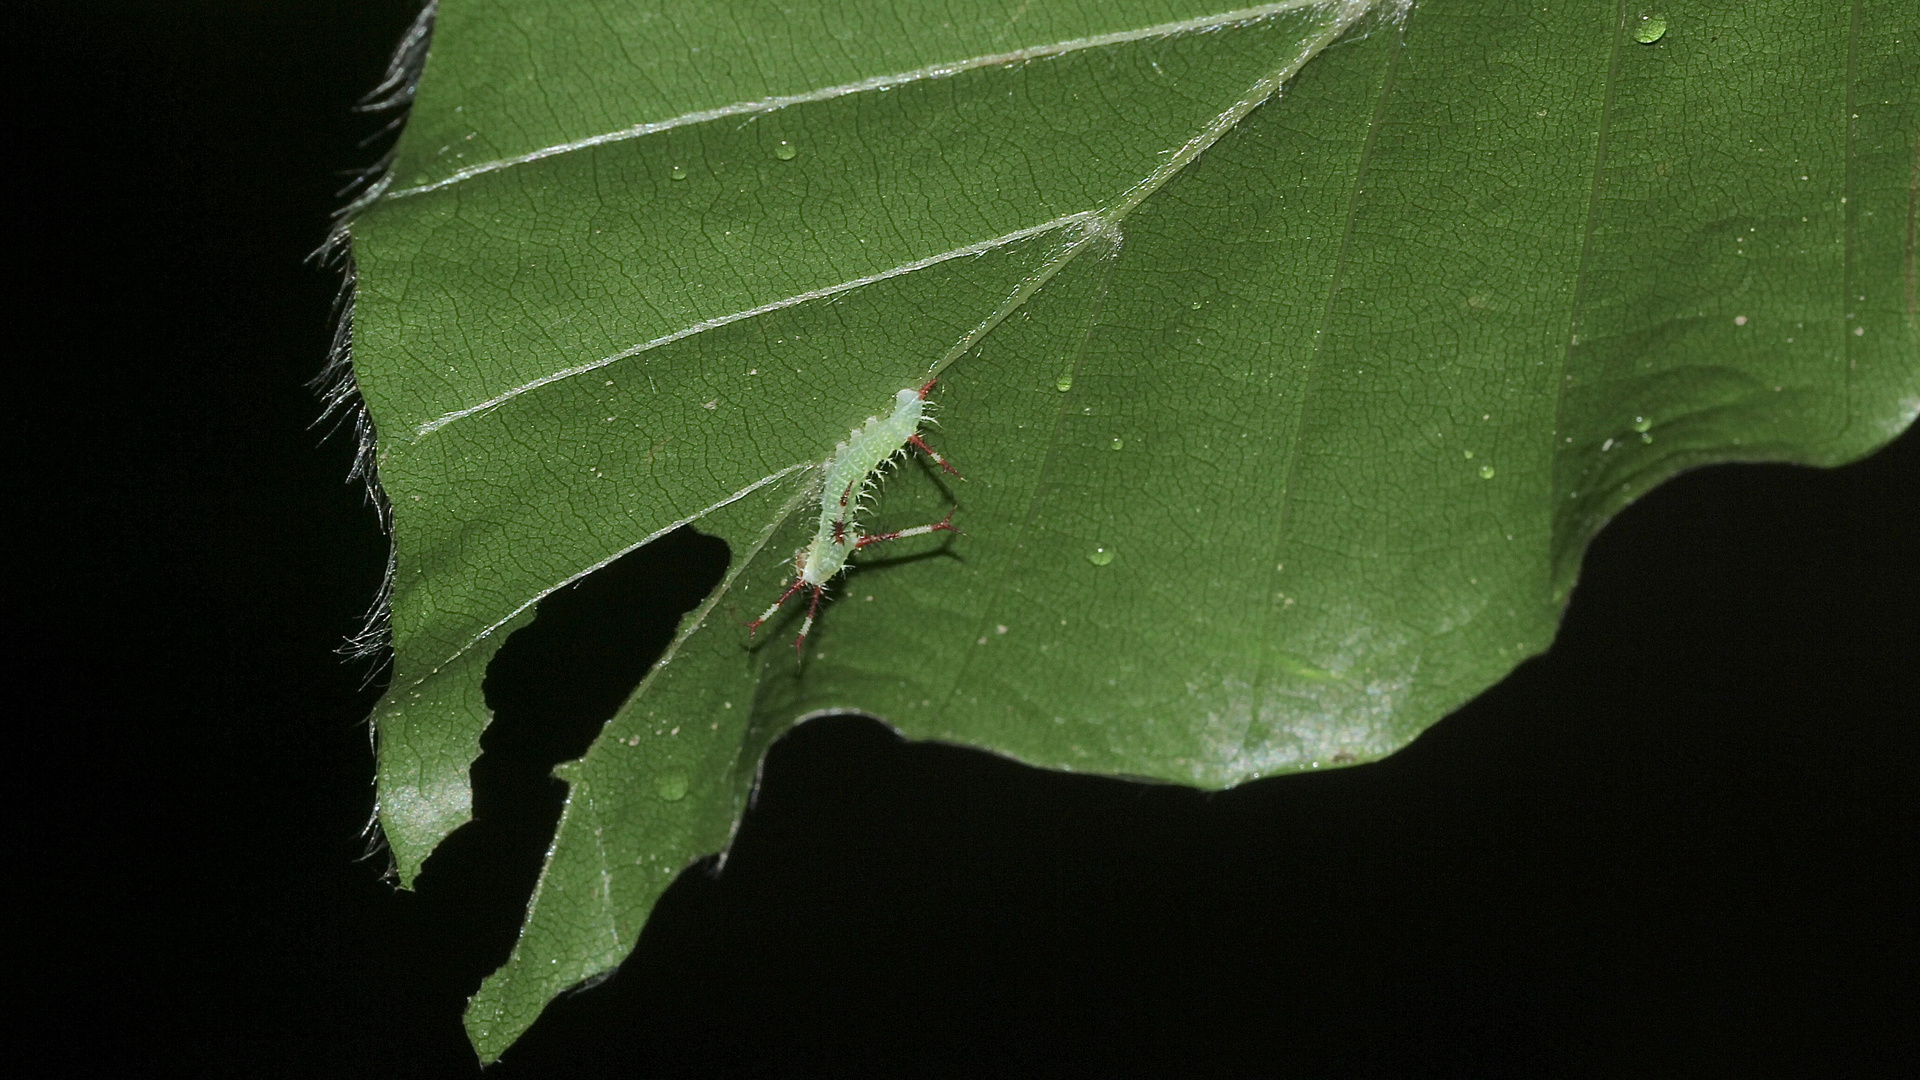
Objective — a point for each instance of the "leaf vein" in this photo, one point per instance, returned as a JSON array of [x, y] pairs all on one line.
[[978, 248], [774, 103], [1284, 513], [609, 560], [1580, 273]]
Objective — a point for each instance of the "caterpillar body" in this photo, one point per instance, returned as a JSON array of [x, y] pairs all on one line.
[[848, 476]]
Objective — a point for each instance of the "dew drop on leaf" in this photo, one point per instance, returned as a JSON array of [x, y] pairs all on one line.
[[1100, 556], [1486, 472], [785, 150], [1118, 444], [1064, 383], [671, 785], [1651, 29], [1642, 424], [677, 172]]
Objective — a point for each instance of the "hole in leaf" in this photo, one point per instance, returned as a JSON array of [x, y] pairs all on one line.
[[557, 681], [552, 686]]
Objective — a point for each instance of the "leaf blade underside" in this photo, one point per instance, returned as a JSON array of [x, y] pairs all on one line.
[[1284, 424]]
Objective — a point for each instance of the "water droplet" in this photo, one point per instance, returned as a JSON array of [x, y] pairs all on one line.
[[1118, 444], [785, 150], [1646, 437], [671, 785], [1486, 472], [1739, 320], [677, 172], [1064, 383], [1195, 305], [1651, 29], [1100, 556], [1642, 424], [1468, 454]]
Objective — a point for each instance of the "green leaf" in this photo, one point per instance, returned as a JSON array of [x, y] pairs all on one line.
[[1292, 355]]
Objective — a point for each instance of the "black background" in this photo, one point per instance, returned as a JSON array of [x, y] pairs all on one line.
[[1682, 842]]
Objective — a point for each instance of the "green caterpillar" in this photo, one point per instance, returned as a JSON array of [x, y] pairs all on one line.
[[848, 476]]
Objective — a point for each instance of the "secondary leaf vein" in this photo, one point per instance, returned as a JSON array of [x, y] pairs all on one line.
[[978, 248], [776, 102]]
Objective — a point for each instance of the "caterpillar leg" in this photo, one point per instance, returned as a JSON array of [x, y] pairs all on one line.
[[813, 608], [769, 613], [945, 524], [806, 625], [920, 444]]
